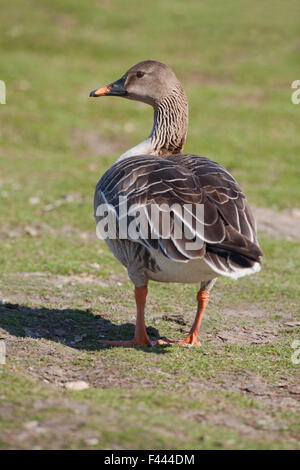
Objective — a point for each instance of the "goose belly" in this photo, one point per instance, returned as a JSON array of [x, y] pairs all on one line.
[[143, 264], [192, 271]]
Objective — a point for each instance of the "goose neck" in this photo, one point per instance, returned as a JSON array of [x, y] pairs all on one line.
[[169, 127], [170, 124]]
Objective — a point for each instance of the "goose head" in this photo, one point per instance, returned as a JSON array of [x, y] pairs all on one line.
[[154, 83], [149, 81]]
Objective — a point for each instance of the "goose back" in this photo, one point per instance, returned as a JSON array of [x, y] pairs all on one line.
[[229, 242]]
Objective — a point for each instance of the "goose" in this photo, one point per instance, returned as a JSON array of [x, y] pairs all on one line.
[[156, 174]]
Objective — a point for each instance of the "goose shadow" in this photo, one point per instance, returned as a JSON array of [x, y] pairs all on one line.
[[75, 328]]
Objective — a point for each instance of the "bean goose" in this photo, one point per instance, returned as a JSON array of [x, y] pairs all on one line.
[[155, 173]]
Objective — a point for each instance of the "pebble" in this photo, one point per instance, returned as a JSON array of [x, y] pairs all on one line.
[[78, 385], [91, 442], [295, 389], [34, 426], [31, 425], [34, 200], [94, 265], [31, 231], [49, 207]]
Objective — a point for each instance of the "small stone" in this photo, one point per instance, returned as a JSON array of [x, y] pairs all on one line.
[[31, 425], [84, 236], [56, 370], [295, 389], [69, 198], [34, 200], [31, 231], [49, 207], [91, 442], [262, 422], [295, 213], [292, 324], [280, 385], [40, 430], [94, 265], [78, 385]]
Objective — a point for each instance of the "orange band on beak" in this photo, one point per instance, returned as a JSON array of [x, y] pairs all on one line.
[[102, 91]]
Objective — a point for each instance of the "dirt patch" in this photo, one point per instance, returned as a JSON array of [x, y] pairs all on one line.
[[63, 421], [278, 224], [271, 396], [55, 345], [179, 319], [228, 421], [244, 335], [40, 229], [254, 421]]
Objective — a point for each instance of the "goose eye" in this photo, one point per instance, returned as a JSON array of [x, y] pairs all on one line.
[[140, 74]]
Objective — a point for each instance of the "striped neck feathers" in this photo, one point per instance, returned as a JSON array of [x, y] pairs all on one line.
[[169, 128]]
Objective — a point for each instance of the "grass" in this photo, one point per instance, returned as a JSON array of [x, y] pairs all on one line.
[[236, 61]]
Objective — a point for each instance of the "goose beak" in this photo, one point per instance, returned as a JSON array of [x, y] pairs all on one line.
[[116, 88], [100, 91]]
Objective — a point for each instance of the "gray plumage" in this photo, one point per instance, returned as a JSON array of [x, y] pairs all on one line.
[[155, 173]]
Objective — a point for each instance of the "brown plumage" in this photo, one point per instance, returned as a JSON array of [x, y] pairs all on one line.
[[155, 173]]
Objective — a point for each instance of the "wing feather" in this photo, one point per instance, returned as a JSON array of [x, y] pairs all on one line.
[[225, 233]]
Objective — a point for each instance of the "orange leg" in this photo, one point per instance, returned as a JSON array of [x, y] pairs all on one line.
[[192, 337], [140, 335]]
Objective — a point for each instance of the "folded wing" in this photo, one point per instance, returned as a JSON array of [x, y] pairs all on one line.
[[209, 217]]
